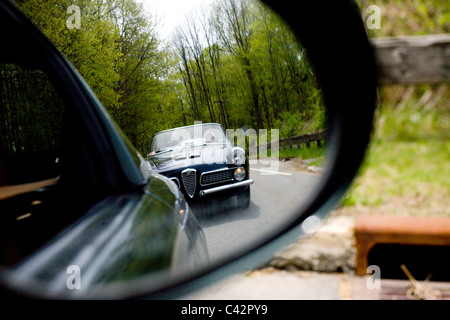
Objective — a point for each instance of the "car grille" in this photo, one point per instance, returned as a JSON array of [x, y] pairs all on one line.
[[189, 181], [215, 177]]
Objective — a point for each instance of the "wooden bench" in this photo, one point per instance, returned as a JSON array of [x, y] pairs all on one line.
[[379, 229]]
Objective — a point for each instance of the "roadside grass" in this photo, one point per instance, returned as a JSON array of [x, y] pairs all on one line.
[[407, 168], [314, 153]]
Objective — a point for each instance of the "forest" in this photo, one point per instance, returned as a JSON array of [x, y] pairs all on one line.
[[235, 63]]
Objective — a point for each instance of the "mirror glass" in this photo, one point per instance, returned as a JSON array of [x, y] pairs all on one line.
[[238, 65], [217, 96]]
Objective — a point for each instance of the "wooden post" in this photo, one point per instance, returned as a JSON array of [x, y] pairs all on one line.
[[413, 59]]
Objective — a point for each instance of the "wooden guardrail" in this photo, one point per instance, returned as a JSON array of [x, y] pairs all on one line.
[[305, 139], [413, 59]]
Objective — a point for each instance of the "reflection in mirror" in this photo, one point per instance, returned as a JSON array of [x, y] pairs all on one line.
[[239, 66], [224, 107]]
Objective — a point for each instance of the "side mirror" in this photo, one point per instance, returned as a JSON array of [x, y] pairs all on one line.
[[334, 39], [338, 47]]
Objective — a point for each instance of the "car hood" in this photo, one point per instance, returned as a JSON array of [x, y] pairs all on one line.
[[184, 157]]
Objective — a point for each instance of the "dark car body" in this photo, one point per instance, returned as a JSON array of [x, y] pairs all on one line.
[[122, 239], [87, 198], [202, 162]]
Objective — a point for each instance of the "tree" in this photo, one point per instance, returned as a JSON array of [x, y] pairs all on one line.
[[234, 25]]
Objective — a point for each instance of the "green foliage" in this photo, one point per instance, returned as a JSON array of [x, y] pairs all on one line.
[[257, 77], [118, 53], [411, 17], [91, 49], [314, 152], [407, 162], [237, 63], [290, 125], [245, 56]]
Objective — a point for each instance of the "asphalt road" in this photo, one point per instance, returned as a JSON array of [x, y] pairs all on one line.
[[274, 198]]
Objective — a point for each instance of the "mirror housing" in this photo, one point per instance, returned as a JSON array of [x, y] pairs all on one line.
[[338, 47]]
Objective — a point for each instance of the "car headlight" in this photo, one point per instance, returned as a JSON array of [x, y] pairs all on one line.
[[238, 156], [239, 174], [182, 209]]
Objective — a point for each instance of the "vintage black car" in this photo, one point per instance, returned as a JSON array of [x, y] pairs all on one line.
[[202, 162]]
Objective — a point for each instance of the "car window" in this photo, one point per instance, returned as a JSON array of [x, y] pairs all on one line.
[[187, 136], [32, 121], [31, 115]]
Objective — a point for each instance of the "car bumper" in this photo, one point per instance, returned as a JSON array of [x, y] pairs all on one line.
[[226, 187]]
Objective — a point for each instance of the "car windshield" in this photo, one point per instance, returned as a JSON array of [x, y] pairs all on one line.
[[196, 135]]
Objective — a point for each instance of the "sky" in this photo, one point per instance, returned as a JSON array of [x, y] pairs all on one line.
[[172, 12]]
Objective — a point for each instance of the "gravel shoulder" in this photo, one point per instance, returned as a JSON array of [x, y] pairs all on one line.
[[317, 267]]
